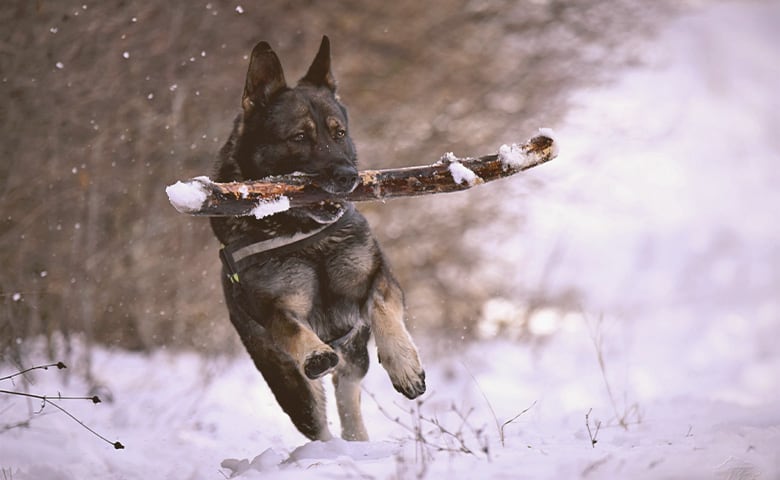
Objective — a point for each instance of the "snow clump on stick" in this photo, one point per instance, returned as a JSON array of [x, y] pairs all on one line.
[[266, 208], [460, 174], [188, 196]]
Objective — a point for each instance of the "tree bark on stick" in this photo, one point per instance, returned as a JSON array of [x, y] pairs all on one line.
[[201, 196]]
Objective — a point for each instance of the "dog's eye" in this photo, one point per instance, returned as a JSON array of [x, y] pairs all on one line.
[[298, 137], [340, 133]]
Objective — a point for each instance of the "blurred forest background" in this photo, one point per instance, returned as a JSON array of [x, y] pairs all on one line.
[[105, 103]]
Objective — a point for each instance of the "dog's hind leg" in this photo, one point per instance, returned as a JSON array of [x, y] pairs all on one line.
[[348, 402], [346, 380], [394, 345], [301, 398]]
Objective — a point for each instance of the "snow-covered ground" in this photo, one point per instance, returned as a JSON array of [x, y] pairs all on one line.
[[663, 209]]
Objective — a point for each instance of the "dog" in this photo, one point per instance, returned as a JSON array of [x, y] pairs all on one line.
[[305, 288]]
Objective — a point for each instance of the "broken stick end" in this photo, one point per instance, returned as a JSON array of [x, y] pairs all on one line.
[[539, 149]]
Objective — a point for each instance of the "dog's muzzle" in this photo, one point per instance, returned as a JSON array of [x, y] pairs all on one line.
[[341, 180]]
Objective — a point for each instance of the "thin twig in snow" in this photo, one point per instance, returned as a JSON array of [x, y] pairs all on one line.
[[487, 402], [501, 430], [440, 438], [592, 434], [59, 365], [47, 400], [597, 338]]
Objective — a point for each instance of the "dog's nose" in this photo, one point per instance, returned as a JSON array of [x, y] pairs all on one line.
[[346, 178]]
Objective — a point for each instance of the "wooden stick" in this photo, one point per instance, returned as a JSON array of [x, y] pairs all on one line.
[[201, 196]]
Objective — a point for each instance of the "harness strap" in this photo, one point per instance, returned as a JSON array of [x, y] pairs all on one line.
[[242, 250]]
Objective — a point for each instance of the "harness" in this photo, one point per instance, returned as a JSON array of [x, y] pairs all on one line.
[[240, 255]]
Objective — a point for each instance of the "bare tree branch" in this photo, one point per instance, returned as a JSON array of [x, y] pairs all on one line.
[[201, 196]]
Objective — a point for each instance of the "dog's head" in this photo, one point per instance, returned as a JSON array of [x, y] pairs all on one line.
[[301, 129]]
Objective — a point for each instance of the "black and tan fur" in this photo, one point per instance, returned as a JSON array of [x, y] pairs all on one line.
[[337, 284]]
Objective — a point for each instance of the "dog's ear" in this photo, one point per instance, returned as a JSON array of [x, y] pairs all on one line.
[[319, 73], [264, 78]]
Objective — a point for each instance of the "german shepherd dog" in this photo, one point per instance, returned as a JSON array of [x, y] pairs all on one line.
[[306, 287]]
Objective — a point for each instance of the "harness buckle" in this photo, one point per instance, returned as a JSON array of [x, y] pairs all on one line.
[[230, 265]]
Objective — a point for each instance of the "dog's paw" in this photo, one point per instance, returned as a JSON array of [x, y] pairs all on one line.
[[412, 388], [319, 363], [405, 373]]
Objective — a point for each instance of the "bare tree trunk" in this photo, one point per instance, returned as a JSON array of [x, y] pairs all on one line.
[[201, 196]]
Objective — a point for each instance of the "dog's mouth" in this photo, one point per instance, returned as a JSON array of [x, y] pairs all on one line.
[[337, 188], [324, 213]]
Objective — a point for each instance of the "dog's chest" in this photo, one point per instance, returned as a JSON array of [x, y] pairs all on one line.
[[346, 263]]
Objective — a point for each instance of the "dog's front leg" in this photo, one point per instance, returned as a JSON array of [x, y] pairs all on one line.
[[394, 345], [312, 356]]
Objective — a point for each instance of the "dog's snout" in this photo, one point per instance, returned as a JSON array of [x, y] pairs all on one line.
[[345, 178]]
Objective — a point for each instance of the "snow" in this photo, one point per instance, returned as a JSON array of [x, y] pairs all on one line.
[[267, 208], [188, 196], [661, 213], [462, 174], [547, 132], [185, 416], [669, 191], [513, 156]]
